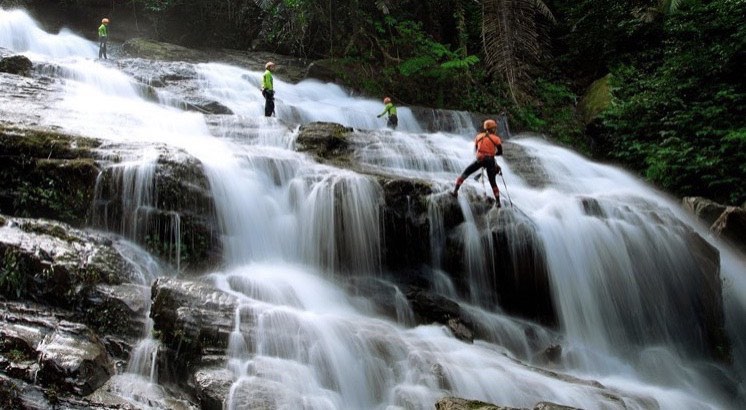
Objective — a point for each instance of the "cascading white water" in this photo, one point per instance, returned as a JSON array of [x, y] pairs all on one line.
[[292, 226]]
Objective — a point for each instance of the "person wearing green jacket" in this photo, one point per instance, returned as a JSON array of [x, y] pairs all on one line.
[[268, 90], [391, 111], [103, 38]]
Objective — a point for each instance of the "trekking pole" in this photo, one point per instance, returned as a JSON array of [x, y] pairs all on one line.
[[506, 190]]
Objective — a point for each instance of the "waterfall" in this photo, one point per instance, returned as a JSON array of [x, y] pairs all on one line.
[[622, 265]]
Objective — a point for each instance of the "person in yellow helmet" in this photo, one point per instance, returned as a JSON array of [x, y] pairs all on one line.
[[391, 111], [487, 145], [268, 89], [103, 38]]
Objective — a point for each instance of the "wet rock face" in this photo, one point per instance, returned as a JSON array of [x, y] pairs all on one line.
[[74, 359], [191, 317], [56, 265], [525, 165], [406, 224], [431, 307], [46, 175], [731, 225], [522, 278], [180, 224], [18, 65], [213, 387], [42, 346], [456, 403], [707, 210], [329, 142]]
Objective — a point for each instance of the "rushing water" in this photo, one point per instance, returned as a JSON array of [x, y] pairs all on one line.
[[291, 228]]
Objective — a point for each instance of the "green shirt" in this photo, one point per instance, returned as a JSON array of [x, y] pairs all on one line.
[[267, 81], [390, 109], [103, 31]]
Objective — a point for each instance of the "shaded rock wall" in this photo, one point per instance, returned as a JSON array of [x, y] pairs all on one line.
[[44, 174]]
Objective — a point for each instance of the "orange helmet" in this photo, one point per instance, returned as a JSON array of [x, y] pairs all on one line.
[[490, 125], [105, 21], [386, 100], [269, 64]]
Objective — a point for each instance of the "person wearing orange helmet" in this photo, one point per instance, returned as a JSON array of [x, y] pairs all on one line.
[[391, 111], [103, 38], [487, 145]]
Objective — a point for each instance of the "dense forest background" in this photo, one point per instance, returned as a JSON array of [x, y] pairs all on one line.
[[656, 86]]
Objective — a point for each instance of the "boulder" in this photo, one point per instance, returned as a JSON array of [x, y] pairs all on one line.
[[456, 403], [527, 166], [327, 141], [731, 225], [212, 386], [430, 307], [708, 211], [596, 99], [73, 359], [193, 317], [18, 65]]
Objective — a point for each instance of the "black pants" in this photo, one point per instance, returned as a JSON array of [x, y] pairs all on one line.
[[269, 104], [102, 47], [488, 164], [393, 122]]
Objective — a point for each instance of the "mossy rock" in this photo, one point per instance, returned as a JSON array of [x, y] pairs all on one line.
[[328, 141], [19, 65], [46, 174], [596, 99], [44, 143], [156, 50]]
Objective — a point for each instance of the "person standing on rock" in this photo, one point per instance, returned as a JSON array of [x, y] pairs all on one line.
[[268, 90], [391, 111], [487, 146], [103, 38]]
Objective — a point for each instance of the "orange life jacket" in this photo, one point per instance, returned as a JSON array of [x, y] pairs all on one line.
[[486, 144]]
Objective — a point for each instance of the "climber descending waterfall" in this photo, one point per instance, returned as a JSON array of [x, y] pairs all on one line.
[[317, 262]]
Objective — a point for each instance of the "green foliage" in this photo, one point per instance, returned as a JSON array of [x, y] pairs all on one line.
[[12, 275], [10, 395], [681, 122]]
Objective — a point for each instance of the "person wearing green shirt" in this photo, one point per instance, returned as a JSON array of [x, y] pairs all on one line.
[[391, 111], [103, 38], [268, 90]]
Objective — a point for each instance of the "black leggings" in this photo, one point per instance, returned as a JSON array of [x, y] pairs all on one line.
[[393, 122], [269, 105], [102, 47], [487, 163]]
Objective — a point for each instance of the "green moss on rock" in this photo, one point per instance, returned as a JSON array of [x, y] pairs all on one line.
[[596, 99]]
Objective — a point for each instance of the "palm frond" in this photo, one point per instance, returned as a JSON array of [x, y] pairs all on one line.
[[267, 4], [670, 6], [384, 6], [513, 40]]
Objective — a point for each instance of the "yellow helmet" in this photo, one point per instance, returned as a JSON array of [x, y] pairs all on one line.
[[105, 21], [489, 125]]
